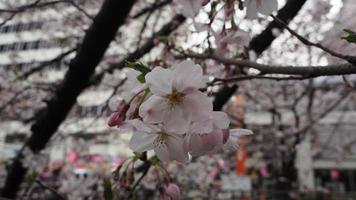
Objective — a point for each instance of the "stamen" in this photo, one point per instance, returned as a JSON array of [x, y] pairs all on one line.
[[161, 138], [175, 97]]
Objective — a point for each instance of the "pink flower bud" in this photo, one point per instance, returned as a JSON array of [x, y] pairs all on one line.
[[156, 41], [117, 117], [226, 135], [229, 8], [204, 2], [173, 191]]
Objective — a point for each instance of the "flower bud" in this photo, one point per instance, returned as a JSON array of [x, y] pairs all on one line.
[[204, 2], [173, 191], [117, 117], [226, 135]]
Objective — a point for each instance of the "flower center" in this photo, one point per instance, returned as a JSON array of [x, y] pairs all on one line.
[[175, 97], [161, 138]]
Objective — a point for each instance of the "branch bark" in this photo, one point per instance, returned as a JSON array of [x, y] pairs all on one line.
[[262, 41], [97, 39]]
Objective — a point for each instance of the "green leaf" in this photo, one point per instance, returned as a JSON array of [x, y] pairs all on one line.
[[108, 193], [154, 160], [31, 177], [138, 66], [351, 37], [164, 39], [141, 78]]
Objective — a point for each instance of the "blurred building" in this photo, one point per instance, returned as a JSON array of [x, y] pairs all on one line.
[[39, 41]]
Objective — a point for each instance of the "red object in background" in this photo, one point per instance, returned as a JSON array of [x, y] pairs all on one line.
[[241, 157], [264, 171], [97, 158], [214, 172], [335, 174], [72, 157]]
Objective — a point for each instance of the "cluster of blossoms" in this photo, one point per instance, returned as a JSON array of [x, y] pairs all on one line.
[[190, 8], [227, 40], [173, 117]]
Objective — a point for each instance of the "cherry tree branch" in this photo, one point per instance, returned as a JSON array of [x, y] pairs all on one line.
[[96, 40], [350, 59], [151, 8], [302, 72]]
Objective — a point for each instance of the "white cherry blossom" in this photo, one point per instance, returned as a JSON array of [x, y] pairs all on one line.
[[264, 7], [231, 41], [176, 100], [166, 145], [198, 143]]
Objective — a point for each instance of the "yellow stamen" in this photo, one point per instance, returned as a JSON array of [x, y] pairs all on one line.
[[161, 138], [175, 97]]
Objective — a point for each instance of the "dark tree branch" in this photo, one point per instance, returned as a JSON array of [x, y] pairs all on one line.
[[262, 41], [299, 72], [97, 39], [144, 49], [151, 8]]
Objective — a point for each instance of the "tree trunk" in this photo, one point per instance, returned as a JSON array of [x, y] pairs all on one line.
[[97, 39]]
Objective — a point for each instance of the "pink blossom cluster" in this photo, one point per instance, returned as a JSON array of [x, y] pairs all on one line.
[[191, 8], [174, 118]]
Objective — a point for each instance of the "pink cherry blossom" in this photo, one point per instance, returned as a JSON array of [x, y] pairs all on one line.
[[201, 144], [232, 41], [176, 100], [167, 146], [264, 7], [198, 143]]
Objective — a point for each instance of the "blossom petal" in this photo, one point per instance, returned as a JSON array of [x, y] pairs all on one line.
[[221, 120], [198, 105], [138, 125], [176, 120], [159, 80], [172, 150], [188, 76], [201, 127], [234, 136], [154, 109], [201, 144], [141, 141], [240, 132]]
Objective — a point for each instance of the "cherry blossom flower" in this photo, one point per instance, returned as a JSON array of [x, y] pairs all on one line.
[[216, 121], [201, 144], [166, 145], [198, 143], [264, 7], [231, 41], [176, 100]]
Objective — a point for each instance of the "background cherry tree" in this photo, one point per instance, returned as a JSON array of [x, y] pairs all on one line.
[[176, 66]]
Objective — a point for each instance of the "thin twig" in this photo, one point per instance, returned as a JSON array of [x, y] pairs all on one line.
[[50, 189], [350, 59]]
